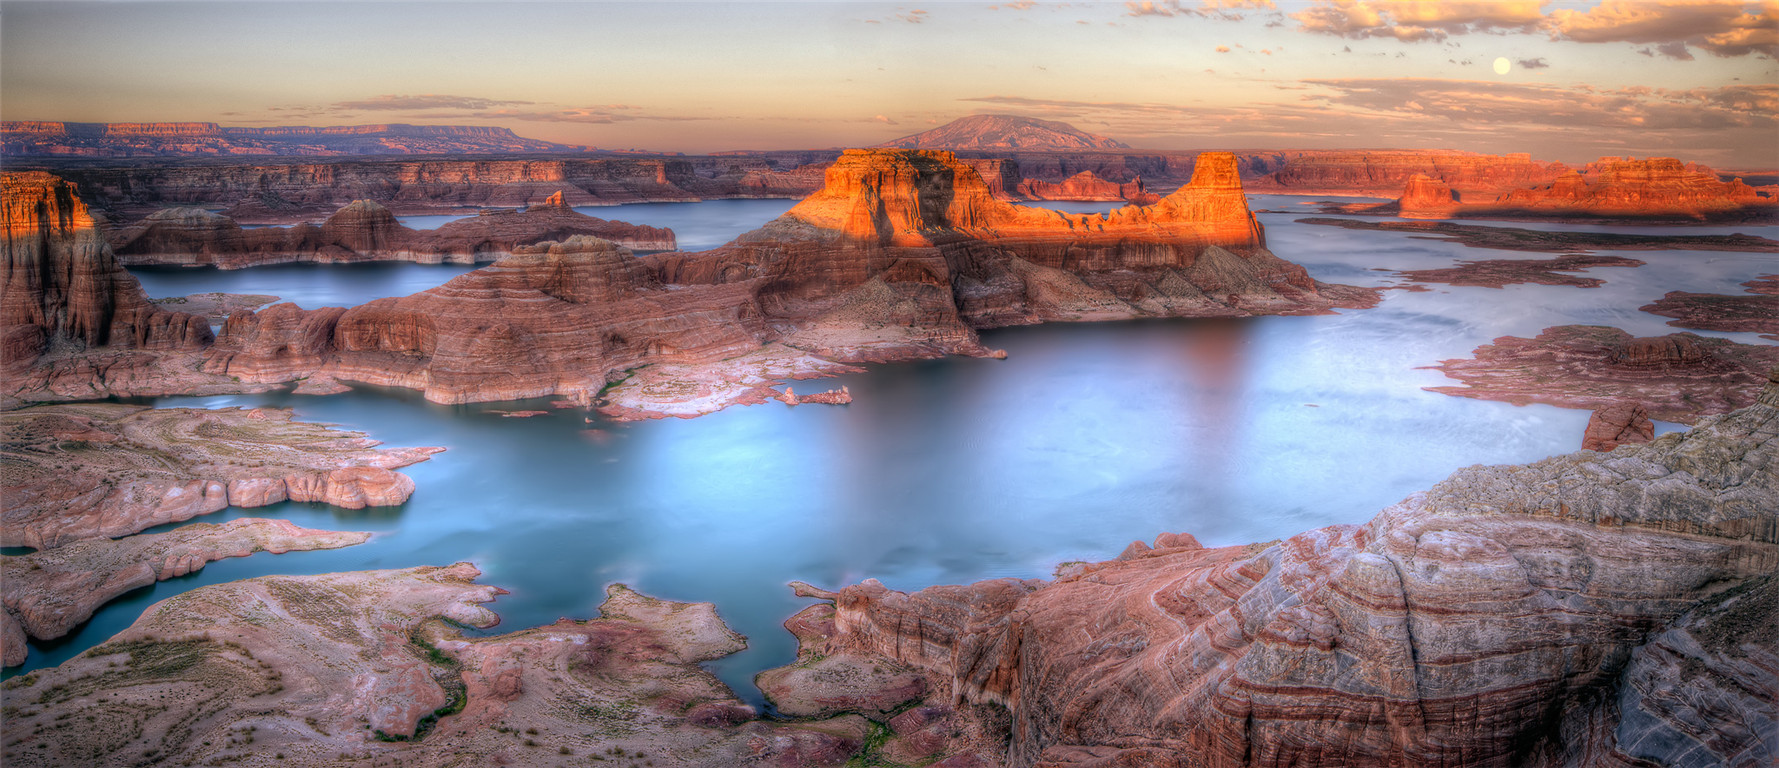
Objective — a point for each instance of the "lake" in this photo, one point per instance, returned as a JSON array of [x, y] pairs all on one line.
[[1086, 437]]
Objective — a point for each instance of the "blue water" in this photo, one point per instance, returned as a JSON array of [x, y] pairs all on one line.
[[698, 226], [1086, 437], [1076, 206]]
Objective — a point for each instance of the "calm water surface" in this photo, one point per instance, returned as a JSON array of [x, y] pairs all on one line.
[[1087, 437]]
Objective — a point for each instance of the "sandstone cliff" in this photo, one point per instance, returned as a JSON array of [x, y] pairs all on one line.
[[366, 231], [1587, 609], [1613, 187], [553, 318], [1384, 173]]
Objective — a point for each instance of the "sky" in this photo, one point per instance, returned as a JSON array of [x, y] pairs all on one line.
[[1563, 80]]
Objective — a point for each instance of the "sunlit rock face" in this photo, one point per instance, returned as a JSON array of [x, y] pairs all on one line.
[[1613, 187], [1588, 609], [64, 287]]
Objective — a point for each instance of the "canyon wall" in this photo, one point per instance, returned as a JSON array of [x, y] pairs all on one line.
[[64, 291], [366, 231], [1612, 188]]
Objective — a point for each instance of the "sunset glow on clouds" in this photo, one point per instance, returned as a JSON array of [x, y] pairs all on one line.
[[1692, 78]]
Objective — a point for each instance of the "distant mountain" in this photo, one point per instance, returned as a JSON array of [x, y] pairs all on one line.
[[1004, 132], [43, 138]]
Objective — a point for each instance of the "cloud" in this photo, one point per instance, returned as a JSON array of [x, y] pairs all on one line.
[[1722, 27], [1538, 63], [1020, 5], [1414, 21], [1224, 9], [423, 101], [1478, 103], [884, 120], [598, 115], [915, 16], [1223, 49]]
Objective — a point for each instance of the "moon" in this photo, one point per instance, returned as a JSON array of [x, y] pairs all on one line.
[[1502, 65]]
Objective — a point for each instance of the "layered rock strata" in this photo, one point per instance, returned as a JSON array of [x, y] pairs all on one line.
[[369, 669], [31, 137], [102, 470], [1499, 273], [903, 254], [366, 231], [67, 303], [1680, 377], [557, 318], [1588, 609], [46, 594], [1615, 425], [1613, 187], [1755, 312]]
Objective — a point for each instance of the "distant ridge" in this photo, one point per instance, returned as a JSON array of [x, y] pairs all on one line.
[[1005, 132], [28, 138]]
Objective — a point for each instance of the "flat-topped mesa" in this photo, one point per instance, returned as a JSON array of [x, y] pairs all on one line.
[[1085, 185], [1613, 187], [366, 230], [919, 198], [555, 318], [63, 287]]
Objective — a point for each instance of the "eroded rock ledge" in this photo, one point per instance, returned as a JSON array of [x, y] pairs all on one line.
[[103, 470], [1679, 377]]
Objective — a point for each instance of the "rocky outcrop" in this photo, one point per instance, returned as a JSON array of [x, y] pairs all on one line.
[[556, 318], [1550, 241], [1756, 313], [1425, 197], [904, 254], [1498, 273], [1680, 377], [103, 470], [1615, 425], [369, 668], [65, 293], [1587, 609], [216, 307], [51, 592], [1386, 173], [264, 191], [1083, 186], [1613, 187], [1004, 132], [37, 138], [367, 231]]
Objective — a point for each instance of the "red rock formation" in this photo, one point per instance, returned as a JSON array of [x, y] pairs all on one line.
[[103, 470], [1082, 186], [367, 231], [1384, 173], [1613, 187], [1425, 197], [1004, 132], [1758, 313], [1586, 609], [65, 293], [553, 318], [35, 138], [1679, 377], [1615, 425], [1498, 273], [50, 593], [290, 191]]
